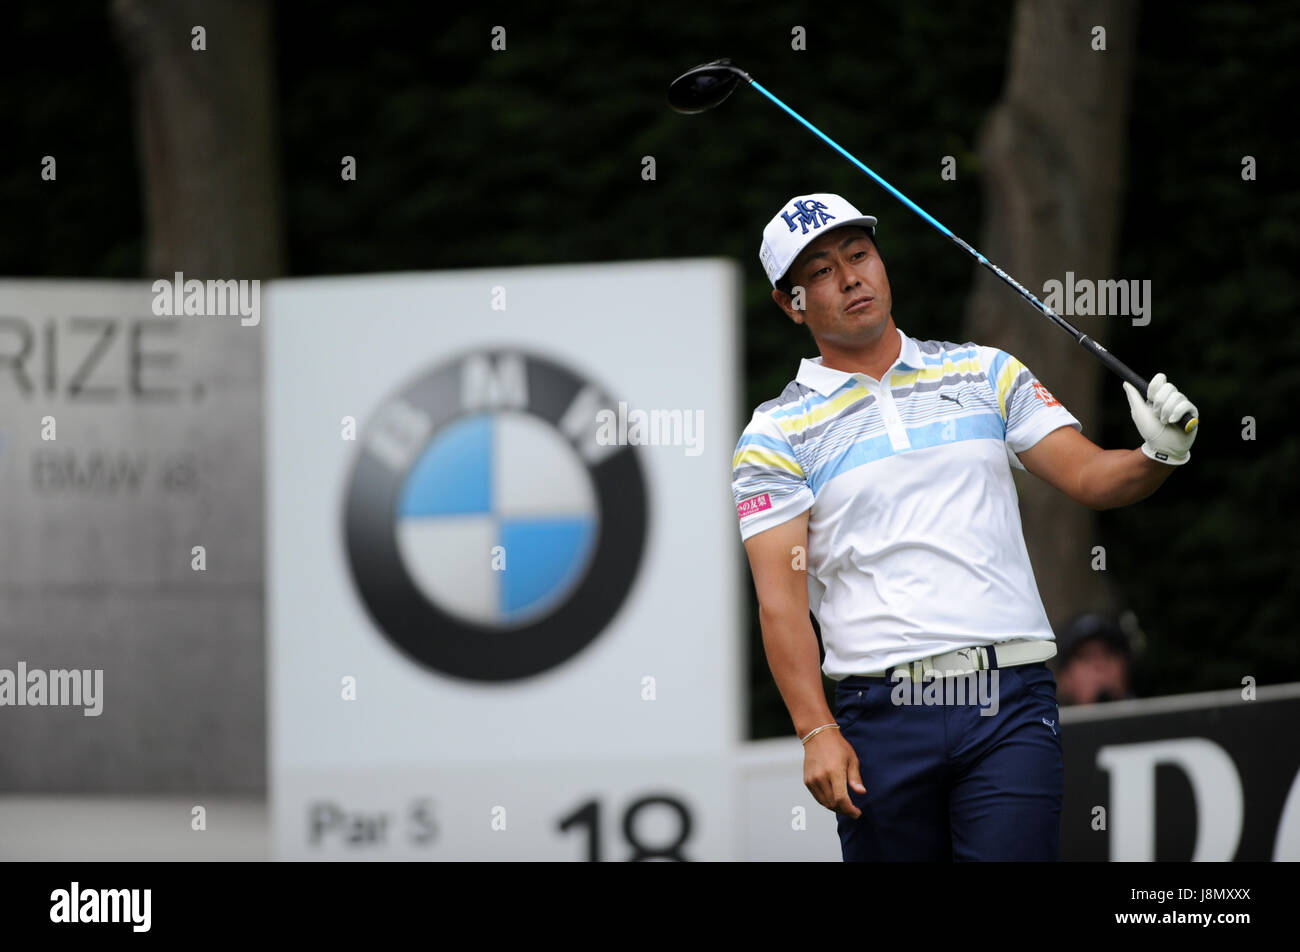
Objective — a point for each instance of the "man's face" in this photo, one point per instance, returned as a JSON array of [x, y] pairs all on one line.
[[837, 271], [1094, 673]]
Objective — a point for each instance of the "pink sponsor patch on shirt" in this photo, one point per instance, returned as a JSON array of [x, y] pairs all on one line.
[[747, 507], [1042, 393]]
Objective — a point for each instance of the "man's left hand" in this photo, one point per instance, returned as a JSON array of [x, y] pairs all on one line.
[[1163, 440]]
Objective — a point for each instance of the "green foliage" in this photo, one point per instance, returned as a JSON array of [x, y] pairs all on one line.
[[67, 94], [1207, 561], [469, 158]]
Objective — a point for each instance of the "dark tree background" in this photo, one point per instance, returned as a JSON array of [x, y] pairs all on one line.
[[472, 158]]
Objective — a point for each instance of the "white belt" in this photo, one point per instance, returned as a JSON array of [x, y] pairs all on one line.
[[968, 660]]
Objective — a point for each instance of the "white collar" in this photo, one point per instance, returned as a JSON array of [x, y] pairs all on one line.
[[826, 380]]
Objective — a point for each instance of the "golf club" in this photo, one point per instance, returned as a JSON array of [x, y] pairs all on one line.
[[706, 86]]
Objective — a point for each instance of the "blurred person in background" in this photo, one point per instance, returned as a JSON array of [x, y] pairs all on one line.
[[1096, 659]]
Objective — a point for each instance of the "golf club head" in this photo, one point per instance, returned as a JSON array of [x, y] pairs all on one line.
[[703, 87]]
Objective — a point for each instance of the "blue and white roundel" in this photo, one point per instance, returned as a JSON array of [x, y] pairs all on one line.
[[491, 532], [497, 519]]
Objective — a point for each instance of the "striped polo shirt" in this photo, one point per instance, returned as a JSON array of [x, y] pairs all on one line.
[[914, 538]]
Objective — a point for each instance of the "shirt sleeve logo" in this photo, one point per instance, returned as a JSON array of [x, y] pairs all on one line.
[[1043, 394], [747, 507]]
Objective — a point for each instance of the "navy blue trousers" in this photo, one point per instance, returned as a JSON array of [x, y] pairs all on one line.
[[945, 782]]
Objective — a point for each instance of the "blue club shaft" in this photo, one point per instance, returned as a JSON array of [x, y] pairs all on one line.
[[943, 229], [1116, 366]]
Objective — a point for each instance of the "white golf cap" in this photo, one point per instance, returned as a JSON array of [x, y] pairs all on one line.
[[802, 220]]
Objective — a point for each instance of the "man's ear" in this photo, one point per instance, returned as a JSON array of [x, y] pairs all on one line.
[[785, 302]]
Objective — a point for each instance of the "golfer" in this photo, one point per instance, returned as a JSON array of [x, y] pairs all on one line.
[[876, 490]]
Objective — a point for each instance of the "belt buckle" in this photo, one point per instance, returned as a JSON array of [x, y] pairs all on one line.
[[974, 660]]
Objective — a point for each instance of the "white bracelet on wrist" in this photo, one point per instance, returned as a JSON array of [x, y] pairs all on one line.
[[813, 733]]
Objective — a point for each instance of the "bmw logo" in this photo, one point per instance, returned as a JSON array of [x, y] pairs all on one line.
[[491, 536]]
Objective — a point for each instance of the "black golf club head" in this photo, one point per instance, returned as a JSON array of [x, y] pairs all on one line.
[[703, 87]]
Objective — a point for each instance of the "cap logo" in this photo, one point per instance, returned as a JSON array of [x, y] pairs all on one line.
[[810, 212]]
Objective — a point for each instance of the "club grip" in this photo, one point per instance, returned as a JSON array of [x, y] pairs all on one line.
[[1122, 370]]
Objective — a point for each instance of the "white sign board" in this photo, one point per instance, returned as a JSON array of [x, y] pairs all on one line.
[[504, 600]]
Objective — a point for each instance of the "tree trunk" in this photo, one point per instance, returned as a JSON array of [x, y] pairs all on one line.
[[1052, 156], [205, 130]]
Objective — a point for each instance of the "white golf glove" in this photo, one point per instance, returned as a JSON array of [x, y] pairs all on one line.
[[1164, 440]]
